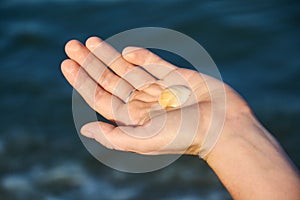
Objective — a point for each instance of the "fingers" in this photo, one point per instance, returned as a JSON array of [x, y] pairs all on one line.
[[168, 74], [98, 98], [149, 61], [112, 58], [97, 70]]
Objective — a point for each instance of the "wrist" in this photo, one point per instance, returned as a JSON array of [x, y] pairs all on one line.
[[239, 127], [248, 160]]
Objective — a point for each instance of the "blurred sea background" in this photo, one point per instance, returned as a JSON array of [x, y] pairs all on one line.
[[255, 44]]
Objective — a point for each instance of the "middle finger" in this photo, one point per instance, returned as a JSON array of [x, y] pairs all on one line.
[[97, 70], [136, 76]]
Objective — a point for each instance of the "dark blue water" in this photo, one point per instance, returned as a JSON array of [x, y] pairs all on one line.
[[256, 46]]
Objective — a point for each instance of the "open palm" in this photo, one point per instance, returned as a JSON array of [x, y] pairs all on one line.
[[126, 89]]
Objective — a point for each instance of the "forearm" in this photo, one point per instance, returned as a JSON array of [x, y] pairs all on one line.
[[251, 164]]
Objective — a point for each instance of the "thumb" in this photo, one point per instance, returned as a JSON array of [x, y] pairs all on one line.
[[118, 138], [97, 131]]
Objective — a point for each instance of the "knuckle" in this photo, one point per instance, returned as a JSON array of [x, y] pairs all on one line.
[[106, 79]]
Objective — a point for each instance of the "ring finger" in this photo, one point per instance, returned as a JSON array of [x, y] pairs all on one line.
[[136, 76]]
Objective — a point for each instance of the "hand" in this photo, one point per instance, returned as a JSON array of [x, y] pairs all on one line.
[[247, 159], [114, 86]]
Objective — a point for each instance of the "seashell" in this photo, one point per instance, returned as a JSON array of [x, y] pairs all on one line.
[[174, 96]]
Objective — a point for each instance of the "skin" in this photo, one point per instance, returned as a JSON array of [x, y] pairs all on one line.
[[246, 158]]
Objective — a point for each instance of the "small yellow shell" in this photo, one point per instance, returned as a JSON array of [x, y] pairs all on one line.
[[174, 96]]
